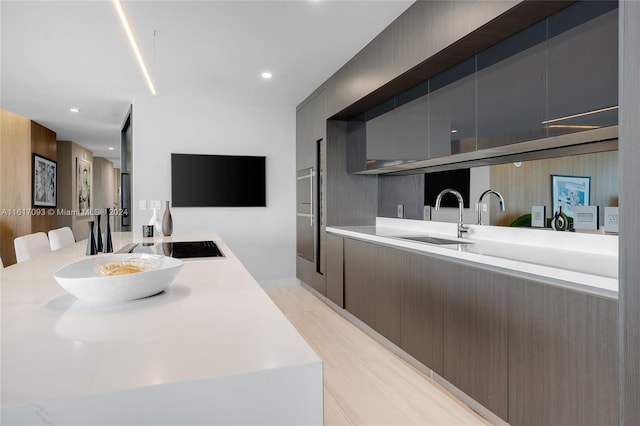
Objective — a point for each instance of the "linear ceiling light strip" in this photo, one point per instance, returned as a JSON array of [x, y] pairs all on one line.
[[134, 45]]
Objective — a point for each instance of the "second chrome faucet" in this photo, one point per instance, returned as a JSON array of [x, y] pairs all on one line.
[[480, 204]]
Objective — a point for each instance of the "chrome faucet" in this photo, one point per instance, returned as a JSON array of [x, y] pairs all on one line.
[[461, 227], [487, 192]]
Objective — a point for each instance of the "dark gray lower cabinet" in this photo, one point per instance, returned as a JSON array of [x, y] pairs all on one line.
[[421, 314], [532, 353], [476, 333], [371, 290], [335, 269], [562, 357]]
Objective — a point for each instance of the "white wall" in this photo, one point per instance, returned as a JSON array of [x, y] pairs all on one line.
[[262, 238]]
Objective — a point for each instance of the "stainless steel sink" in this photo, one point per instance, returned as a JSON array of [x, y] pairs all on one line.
[[434, 240]]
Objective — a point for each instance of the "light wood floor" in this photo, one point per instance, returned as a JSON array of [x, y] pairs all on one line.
[[364, 382]]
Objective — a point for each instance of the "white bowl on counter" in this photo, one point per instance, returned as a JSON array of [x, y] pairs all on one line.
[[84, 279]]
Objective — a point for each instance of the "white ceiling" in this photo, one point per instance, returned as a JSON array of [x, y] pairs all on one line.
[[61, 54]]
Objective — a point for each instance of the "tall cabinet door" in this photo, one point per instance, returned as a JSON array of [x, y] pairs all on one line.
[[476, 334], [421, 315], [310, 205], [372, 290]]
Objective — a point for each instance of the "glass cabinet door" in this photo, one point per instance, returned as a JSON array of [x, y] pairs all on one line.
[[583, 69], [452, 110], [512, 89]]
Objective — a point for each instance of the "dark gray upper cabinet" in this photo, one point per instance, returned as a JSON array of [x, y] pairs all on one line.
[[310, 127], [511, 101], [591, 47], [555, 77], [381, 129], [399, 134], [452, 111]]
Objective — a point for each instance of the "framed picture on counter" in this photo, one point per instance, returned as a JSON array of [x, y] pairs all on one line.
[[569, 192], [44, 182]]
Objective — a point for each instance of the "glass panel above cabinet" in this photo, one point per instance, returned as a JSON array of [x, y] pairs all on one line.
[[583, 69], [512, 89], [452, 111], [529, 93], [397, 129]]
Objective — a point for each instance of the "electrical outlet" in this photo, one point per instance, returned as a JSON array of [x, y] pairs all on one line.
[[143, 204], [154, 204], [481, 206], [611, 219], [426, 213], [401, 210]]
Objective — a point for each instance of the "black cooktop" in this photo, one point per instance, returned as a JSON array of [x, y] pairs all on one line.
[[179, 249]]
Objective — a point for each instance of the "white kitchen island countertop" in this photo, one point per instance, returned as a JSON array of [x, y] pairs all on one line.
[[583, 262], [212, 349]]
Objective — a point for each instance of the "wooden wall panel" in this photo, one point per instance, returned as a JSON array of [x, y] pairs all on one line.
[[530, 184], [15, 181], [20, 137], [43, 142]]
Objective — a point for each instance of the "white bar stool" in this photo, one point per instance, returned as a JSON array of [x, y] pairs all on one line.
[[61, 237], [30, 246]]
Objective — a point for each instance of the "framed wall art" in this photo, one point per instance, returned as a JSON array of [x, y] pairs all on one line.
[[83, 185], [44, 182], [569, 192]]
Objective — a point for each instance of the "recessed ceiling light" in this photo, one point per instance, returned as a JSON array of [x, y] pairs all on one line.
[[74, 110], [266, 75], [111, 148], [454, 131]]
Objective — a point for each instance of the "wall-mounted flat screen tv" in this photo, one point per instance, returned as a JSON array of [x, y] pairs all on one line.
[[434, 182], [199, 180]]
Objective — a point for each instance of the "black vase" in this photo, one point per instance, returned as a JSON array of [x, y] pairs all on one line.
[[91, 241], [107, 246], [98, 233]]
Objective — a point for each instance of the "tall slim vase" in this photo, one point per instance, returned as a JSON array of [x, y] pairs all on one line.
[[155, 222], [98, 233], [91, 241], [167, 221], [107, 246]]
